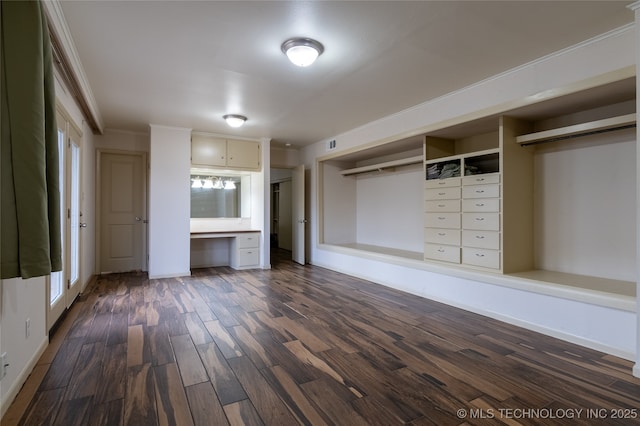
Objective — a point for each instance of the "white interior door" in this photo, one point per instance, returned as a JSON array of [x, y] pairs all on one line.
[[299, 219], [122, 212]]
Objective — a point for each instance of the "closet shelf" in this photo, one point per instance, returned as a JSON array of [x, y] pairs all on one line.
[[380, 166], [576, 130]]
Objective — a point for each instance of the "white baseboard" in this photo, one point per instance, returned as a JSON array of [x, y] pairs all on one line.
[[636, 369], [22, 377]]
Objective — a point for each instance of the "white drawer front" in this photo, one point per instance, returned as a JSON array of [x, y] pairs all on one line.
[[481, 257], [481, 205], [442, 252], [248, 240], [481, 179], [481, 191], [442, 236], [442, 183], [442, 220], [450, 193], [444, 206], [248, 257], [481, 239], [481, 221]]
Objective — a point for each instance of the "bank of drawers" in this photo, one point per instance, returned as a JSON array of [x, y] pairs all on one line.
[[462, 220], [245, 251]]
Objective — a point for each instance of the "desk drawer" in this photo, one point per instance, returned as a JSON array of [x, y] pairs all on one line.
[[248, 240], [248, 257]]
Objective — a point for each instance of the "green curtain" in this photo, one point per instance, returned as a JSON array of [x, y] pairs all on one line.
[[29, 179]]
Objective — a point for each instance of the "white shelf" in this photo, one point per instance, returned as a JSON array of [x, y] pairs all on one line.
[[380, 166], [575, 130]]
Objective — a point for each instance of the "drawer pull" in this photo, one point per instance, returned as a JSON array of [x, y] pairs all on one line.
[[442, 234], [441, 218], [479, 191], [479, 204], [479, 218], [441, 183], [479, 179], [441, 193], [480, 237], [441, 250], [479, 254], [441, 205]]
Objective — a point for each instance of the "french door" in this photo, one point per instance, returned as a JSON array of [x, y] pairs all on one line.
[[64, 285]]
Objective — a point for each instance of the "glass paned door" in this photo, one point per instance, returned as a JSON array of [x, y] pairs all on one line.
[[64, 285]]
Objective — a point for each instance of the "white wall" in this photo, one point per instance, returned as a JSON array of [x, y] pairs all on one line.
[[585, 198], [611, 330], [169, 201], [390, 210], [122, 141]]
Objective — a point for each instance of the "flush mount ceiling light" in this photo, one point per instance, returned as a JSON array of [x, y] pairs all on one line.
[[302, 51], [234, 120]]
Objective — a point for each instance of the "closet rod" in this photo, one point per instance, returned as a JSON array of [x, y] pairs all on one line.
[[579, 135], [578, 130]]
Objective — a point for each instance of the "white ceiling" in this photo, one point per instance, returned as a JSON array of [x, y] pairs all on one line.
[[184, 63]]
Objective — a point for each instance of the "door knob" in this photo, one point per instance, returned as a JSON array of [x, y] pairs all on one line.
[[138, 218], [83, 225]]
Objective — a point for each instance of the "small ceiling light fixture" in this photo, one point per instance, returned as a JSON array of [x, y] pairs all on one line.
[[234, 120], [302, 51], [229, 184]]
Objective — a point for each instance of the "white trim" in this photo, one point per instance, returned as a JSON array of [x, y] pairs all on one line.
[[634, 6], [22, 377], [636, 370], [173, 275], [58, 24]]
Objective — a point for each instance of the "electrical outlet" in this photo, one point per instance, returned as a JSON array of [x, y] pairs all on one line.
[[27, 327], [3, 365]]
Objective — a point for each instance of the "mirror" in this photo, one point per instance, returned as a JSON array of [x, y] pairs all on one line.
[[220, 196]]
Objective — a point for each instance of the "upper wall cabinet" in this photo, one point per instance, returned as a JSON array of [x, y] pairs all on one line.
[[228, 153]]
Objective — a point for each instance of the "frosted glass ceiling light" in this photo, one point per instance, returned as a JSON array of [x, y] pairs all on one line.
[[197, 183], [302, 51], [234, 120], [229, 185], [218, 184]]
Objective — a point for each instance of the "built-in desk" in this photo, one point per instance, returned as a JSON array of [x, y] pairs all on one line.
[[238, 249]]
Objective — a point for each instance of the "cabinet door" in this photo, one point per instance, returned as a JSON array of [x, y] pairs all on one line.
[[243, 154], [208, 151]]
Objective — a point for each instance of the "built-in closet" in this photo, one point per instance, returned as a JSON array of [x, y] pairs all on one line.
[[539, 192]]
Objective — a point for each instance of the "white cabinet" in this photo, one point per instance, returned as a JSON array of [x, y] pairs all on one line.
[[228, 153], [462, 202], [245, 251]]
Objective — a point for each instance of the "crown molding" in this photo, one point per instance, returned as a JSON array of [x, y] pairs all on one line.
[[68, 63], [634, 6]]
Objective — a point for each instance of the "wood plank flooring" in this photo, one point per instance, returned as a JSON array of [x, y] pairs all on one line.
[[305, 345]]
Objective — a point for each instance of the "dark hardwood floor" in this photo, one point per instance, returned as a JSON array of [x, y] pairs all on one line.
[[305, 345]]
